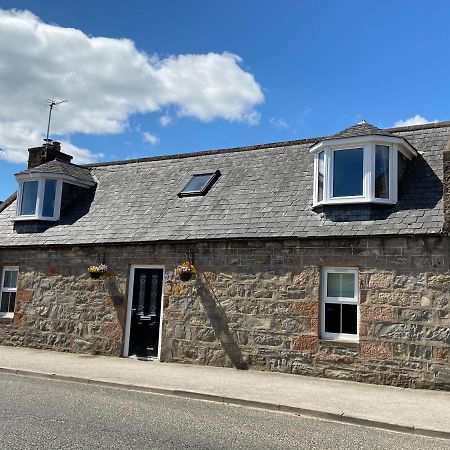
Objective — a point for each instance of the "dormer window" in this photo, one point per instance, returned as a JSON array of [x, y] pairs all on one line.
[[43, 189], [358, 168], [39, 199]]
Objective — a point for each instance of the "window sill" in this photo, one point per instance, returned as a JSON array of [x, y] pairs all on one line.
[[348, 342], [29, 218], [359, 201], [6, 316]]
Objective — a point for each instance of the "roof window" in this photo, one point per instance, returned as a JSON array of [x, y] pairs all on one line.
[[199, 184]]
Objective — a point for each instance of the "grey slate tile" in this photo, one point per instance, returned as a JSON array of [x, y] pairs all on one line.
[[263, 192]]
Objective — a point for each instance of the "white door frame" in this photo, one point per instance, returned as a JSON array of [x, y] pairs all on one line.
[[126, 345]]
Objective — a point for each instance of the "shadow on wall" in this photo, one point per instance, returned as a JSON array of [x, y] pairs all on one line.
[[117, 300], [219, 323]]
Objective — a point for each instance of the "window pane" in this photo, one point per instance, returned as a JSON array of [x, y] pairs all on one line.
[[7, 302], [141, 297], [333, 285], [29, 197], [153, 294], [197, 183], [348, 172], [348, 285], [332, 318], [4, 302], [10, 280], [349, 319], [381, 171], [341, 285], [320, 176], [49, 198]]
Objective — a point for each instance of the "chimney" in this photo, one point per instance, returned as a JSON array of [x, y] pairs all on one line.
[[47, 152]]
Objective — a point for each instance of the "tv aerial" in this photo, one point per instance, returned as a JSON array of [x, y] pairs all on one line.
[[53, 105]]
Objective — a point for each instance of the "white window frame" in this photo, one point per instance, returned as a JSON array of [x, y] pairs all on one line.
[[41, 179], [40, 200], [8, 315], [340, 300], [368, 180], [368, 144]]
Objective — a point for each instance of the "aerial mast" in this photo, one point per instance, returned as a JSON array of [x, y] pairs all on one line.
[[53, 104]]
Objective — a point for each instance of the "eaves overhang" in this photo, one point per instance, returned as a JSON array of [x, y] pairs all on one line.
[[23, 176], [403, 145]]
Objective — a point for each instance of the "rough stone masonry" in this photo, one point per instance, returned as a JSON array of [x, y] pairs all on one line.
[[253, 304]]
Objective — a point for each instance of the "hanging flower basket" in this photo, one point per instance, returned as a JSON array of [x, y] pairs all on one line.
[[96, 272], [95, 275], [186, 271], [185, 276]]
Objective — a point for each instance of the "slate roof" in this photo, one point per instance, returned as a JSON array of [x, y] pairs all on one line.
[[361, 129], [264, 192], [63, 168]]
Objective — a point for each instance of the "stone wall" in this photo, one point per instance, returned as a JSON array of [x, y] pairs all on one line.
[[253, 304]]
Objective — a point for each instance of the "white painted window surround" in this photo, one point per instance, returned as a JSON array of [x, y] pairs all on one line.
[[8, 289], [340, 304], [38, 199], [325, 153]]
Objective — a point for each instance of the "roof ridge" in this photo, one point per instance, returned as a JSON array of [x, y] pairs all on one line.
[[422, 126], [221, 151], [207, 152], [57, 161]]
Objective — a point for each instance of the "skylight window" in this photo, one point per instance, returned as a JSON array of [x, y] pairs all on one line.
[[199, 184]]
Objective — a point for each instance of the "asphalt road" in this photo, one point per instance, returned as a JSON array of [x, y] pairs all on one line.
[[46, 414]]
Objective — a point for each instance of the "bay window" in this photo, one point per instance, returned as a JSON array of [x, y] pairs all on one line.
[[361, 169], [39, 198]]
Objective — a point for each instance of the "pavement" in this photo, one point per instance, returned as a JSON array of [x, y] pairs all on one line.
[[421, 412]]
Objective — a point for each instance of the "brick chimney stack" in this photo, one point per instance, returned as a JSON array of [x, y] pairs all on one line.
[[43, 154]]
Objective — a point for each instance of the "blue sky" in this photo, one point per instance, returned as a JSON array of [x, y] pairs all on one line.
[[305, 68]]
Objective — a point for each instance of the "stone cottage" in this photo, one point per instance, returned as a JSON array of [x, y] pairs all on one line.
[[326, 257]]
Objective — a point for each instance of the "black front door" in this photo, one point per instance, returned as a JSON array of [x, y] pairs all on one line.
[[146, 312]]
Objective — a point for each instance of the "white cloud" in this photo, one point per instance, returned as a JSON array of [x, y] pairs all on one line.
[[165, 120], [17, 138], [252, 118], [150, 138], [414, 120], [279, 123], [106, 81]]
